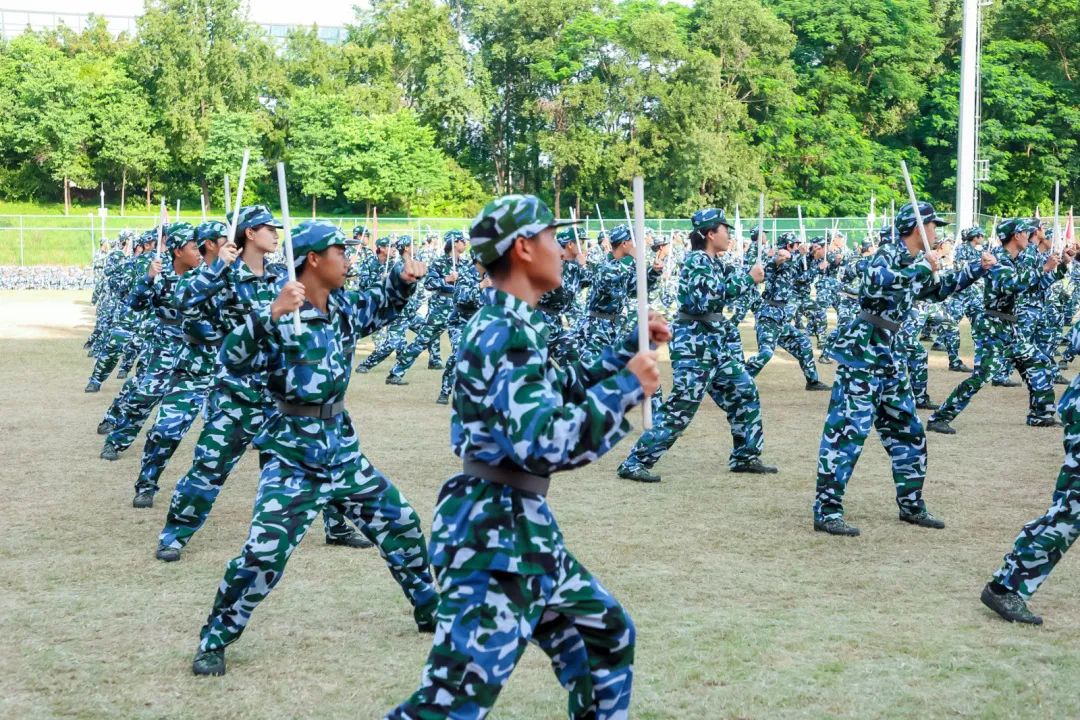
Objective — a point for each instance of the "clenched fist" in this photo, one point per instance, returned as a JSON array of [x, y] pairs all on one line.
[[643, 366], [289, 299], [413, 270], [757, 272]]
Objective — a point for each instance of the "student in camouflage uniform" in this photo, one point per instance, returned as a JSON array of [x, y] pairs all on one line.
[[442, 274], [971, 299], [194, 359], [750, 300], [808, 306], [1043, 541], [223, 294], [310, 449], [776, 318], [394, 340], [614, 287], [872, 388], [702, 359], [506, 578], [847, 294], [557, 306], [471, 280], [1003, 340], [151, 294], [124, 322]]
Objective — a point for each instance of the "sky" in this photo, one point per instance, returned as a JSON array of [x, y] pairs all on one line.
[[321, 12]]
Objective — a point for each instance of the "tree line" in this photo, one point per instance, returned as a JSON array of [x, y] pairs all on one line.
[[428, 108]]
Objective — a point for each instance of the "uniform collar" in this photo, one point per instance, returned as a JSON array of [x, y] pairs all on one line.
[[515, 305]]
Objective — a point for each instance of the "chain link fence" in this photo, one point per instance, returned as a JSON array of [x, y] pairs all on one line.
[[72, 240]]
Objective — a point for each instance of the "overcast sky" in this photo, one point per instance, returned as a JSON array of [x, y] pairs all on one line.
[[294, 12]]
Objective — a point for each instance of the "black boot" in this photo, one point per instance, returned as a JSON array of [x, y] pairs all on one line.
[[395, 380], [754, 467], [816, 385], [940, 426], [352, 540], [922, 519], [638, 474], [167, 554], [836, 526], [1008, 605], [143, 500], [109, 453], [105, 427], [209, 662]]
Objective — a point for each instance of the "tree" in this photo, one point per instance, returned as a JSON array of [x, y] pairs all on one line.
[[315, 141]]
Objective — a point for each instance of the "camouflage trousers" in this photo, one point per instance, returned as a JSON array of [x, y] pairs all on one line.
[[115, 410], [487, 618], [131, 353], [453, 329], [948, 333], [287, 502], [846, 310], [181, 404], [136, 406], [730, 387], [1042, 542], [813, 312], [393, 342], [999, 347], [861, 400], [771, 333], [109, 355], [230, 427], [918, 369], [1028, 319], [749, 301], [429, 335]]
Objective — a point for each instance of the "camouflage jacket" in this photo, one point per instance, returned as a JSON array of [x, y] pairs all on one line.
[[467, 291], [230, 294], [156, 297], [442, 292], [370, 272], [891, 282], [706, 284], [1012, 280], [514, 407], [781, 281], [614, 283], [561, 300], [312, 368]]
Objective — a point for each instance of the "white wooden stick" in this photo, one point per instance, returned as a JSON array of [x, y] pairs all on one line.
[[638, 231], [287, 232], [239, 196], [228, 197], [760, 239], [915, 209]]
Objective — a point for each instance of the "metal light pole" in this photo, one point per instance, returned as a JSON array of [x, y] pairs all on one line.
[[968, 120]]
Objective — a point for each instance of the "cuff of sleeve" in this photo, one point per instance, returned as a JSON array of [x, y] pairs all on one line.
[[262, 322], [630, 386]]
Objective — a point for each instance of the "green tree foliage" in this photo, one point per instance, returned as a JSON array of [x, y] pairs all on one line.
[[430, 107]]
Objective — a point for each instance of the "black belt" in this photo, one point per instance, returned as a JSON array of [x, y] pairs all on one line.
[[515, 477], [169, 321], [776, 303], [603, 315], [322, 412], [703, 318], [201, 341], [878, 321], [445, 293], [1001, 316]]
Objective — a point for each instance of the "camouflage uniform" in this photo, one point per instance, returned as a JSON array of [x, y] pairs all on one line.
[[702, 361], [1003, 339], [440, 306], [239, 403], [776, 318], [310, 448], [466, 303], [506, 577], [1043, 541], [126, 323], [394, 340], [557, 306], [872, 388]]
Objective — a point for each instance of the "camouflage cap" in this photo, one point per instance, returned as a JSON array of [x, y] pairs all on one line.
[[449, 238], [866, 244], [708, 219], [507, 218], [618, 235], [254, 216], [360, 231], [755, 231], [316, 236], [1010, 226], [179, 234], [886, 233], [382, 242], [401, 242], [210, 230], [126, 235], [971, 233], [660, 241], [905, 217], [565, 237], [786, 240], [582, 235], [818, 241]]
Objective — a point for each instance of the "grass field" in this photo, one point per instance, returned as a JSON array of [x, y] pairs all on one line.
[[742, 611]]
